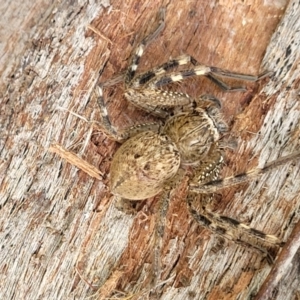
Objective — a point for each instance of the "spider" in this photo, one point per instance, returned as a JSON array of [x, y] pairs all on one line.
[[155, 157]]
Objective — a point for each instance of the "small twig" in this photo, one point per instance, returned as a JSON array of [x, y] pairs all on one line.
[[75, 160], [83, 279], [282, 265], [72, 113], [99, 33]]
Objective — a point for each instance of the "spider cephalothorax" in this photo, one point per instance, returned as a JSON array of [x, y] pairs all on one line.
[[154, 157]]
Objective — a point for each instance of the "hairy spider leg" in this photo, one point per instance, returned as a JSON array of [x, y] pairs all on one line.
[[120, 135], [230, 228], [140, 49], [226, 226], [216, 185], [203, 70]]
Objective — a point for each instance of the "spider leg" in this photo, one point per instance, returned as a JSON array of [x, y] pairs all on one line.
[[140, 49], [164, 79], [111, 131], [145, 92], [222, 225], [228, 74], [216, 185], [146, 77], [246, 77], [157, 78], [143, 78], [202, 70], [163, 205], [222, 85], [230, 228]]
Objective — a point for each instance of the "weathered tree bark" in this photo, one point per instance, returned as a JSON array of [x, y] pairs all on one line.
[[61, 236]]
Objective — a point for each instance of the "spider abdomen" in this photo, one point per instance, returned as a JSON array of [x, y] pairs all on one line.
[[142, 165]]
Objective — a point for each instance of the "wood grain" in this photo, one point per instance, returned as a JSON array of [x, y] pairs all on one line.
[[61, 236]]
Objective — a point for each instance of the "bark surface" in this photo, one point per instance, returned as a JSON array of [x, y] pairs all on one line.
[[61, 236]]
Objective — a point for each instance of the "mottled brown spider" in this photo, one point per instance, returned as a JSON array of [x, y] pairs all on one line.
[[154, 157]]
